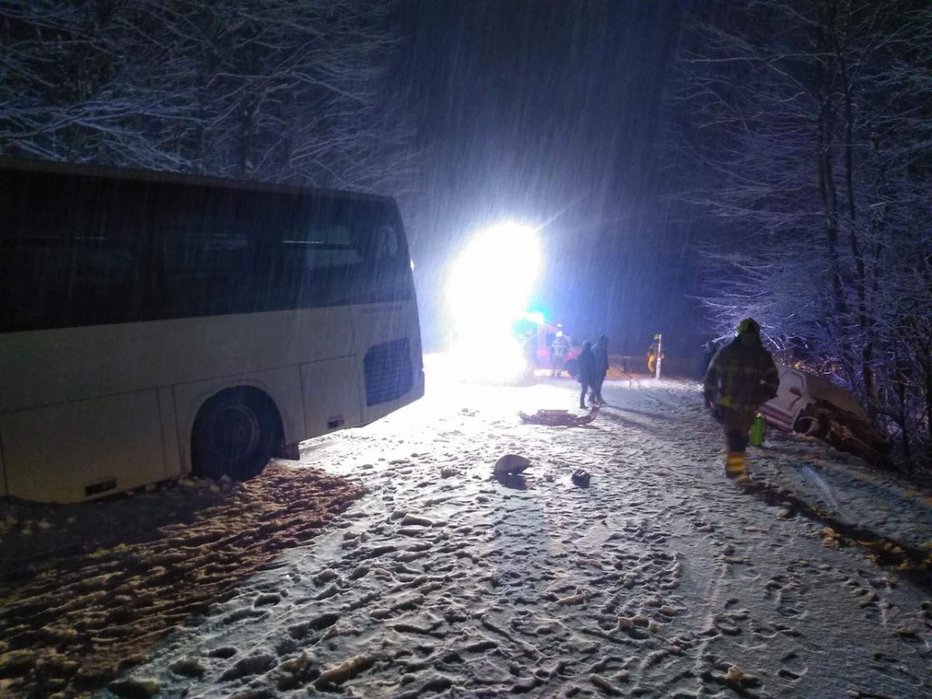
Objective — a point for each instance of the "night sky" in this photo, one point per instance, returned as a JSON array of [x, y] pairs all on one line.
[[549, 111]]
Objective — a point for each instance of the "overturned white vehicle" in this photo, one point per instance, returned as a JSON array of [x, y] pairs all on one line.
[[814, 406]]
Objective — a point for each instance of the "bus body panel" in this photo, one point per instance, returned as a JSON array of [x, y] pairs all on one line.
[[74, 365], [170, 445], [4, 491], [378, 326], [282, 385], [83, 449], [329, 391], [52, 366]]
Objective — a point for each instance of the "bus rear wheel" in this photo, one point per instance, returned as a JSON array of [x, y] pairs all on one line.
[[234, 435]]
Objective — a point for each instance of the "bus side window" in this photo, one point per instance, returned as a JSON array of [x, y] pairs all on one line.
[[315, 255], [73, 253], [205, 254], [329, 246], [386, 241]]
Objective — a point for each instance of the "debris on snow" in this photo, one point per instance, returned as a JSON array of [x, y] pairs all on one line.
[[559, 418], [510, 465]]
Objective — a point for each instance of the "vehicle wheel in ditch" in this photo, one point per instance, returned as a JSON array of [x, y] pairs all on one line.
[[811, 427], [233, 435]]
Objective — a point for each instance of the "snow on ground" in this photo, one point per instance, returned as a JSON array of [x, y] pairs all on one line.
[[661, 579], [88, 589]]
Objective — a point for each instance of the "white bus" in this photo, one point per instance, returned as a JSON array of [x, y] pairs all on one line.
[[155, 325]]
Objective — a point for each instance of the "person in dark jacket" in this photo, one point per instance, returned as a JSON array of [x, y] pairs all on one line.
[[600, 354], [586, 373], [741, 377]]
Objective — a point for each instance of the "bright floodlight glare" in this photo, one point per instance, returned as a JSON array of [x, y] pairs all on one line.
[[496, 272], [488, 289], [536, 317]]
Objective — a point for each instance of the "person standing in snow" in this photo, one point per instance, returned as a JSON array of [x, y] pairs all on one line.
[[558, 349], [741, 377], [586, 374], [600, 370]]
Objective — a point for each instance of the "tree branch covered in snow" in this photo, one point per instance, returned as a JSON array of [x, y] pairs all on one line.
[[272, 90], [805, 132]]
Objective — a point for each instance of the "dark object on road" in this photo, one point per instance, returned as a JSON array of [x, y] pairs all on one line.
[[559, 418], [508, 470], [510, 465], [581, 478], [515, 481]]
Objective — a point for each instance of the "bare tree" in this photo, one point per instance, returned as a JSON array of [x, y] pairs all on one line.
[[808, 128], [271, 89]]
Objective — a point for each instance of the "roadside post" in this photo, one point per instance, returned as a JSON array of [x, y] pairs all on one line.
[[658, 340]]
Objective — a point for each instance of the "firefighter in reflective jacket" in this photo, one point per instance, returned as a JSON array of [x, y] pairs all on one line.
[[741, 377]]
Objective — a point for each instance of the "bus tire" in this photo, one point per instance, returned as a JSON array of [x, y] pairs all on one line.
[[234, 434], [572, 367]]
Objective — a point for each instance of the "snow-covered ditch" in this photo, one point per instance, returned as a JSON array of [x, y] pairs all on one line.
[[661, 579]]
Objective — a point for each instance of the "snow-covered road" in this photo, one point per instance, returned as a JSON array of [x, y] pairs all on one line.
[[662, 579]]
